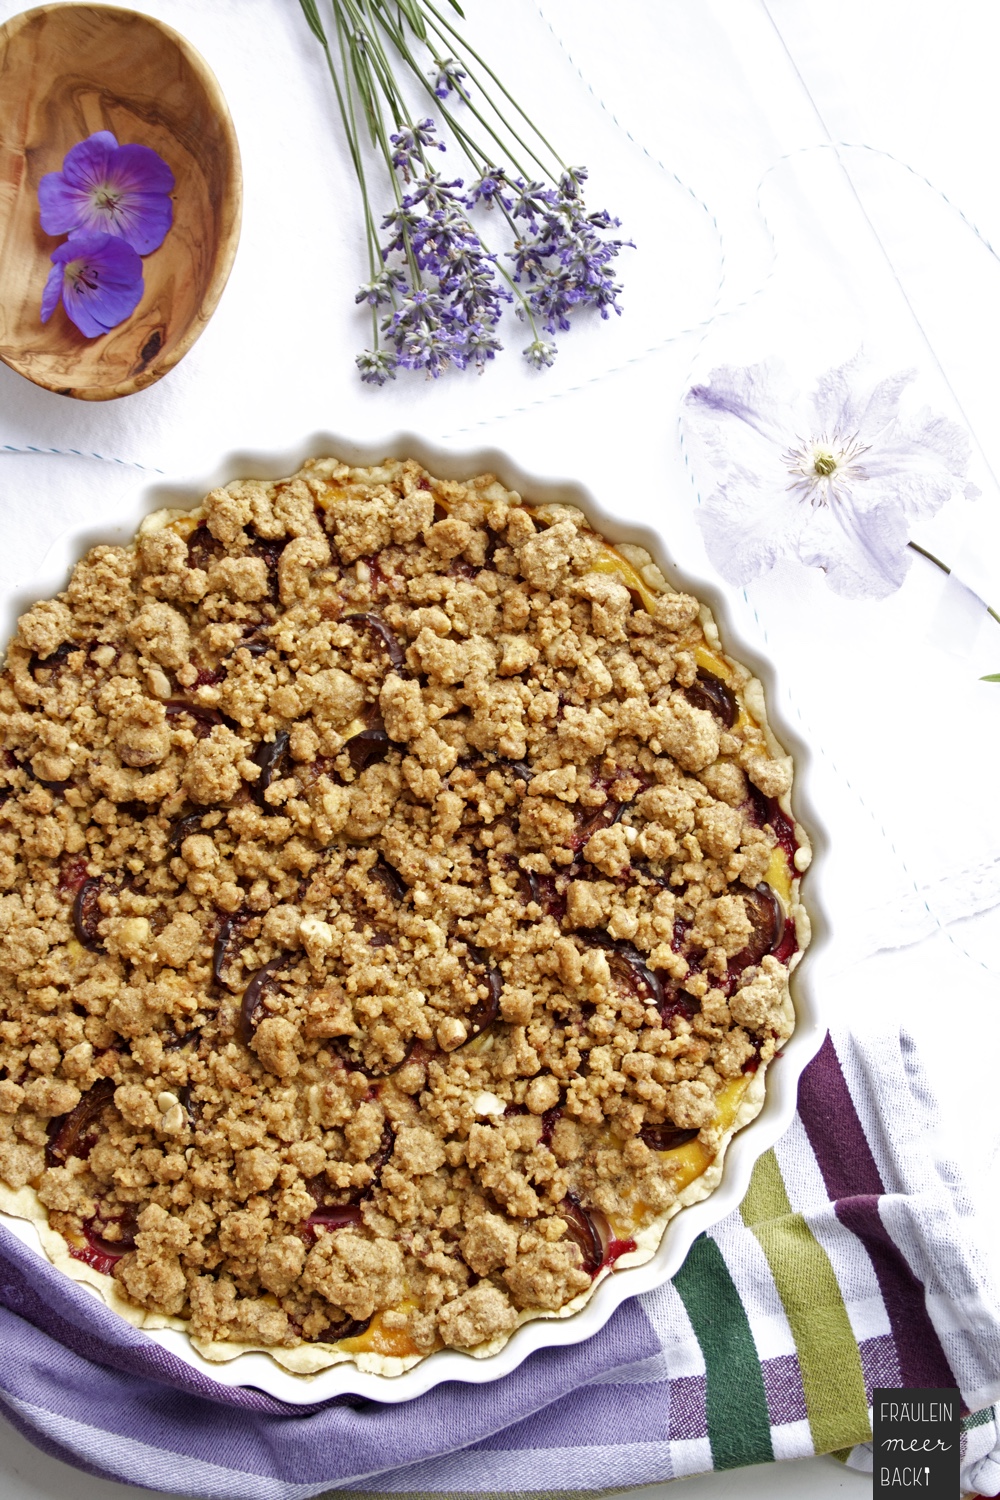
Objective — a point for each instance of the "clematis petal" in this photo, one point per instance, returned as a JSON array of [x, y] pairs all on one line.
[[863, 557], [746, 419], [748, 526], [760, 396], [922, 463], [847, 403]]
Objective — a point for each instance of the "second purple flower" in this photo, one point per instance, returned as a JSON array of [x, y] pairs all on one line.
[[98, 277]]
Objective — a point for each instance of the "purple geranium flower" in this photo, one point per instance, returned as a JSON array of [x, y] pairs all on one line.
[[834, 478], [99, 278], [110, 189]]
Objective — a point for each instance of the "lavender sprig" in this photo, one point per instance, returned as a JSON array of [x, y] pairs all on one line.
[[436, 291], [563, 256]]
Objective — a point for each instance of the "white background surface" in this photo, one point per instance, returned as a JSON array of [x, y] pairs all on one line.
[[685, 111]]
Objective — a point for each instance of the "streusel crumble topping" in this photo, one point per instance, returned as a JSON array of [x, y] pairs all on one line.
[[399, 894]]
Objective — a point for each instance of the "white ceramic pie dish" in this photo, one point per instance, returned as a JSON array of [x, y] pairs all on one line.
[[257, 1369]]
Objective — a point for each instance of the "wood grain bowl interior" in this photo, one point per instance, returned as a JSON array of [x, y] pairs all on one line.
[[65, 72]]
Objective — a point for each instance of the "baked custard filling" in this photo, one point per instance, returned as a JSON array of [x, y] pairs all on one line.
[[400, 888]]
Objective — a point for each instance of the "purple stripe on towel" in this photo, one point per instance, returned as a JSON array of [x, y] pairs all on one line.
[[922, 1360], [852, 1180], [880, 1363], [687, 1417], [786, 1398], [835, 1133]]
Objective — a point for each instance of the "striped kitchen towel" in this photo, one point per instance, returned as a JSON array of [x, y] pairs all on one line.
[[852, 1263]]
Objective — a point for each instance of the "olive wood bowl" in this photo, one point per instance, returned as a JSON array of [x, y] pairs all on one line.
[[67, 71]]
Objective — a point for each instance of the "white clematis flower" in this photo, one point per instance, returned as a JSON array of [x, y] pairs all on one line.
[[835, 477]]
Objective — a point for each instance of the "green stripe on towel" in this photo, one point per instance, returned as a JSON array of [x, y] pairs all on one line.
[[739, 1428], [832, 1378]]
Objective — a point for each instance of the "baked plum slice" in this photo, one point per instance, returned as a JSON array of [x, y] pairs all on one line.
[[628, 967], [72, 874], [634, 974], [205, 718], [414, 1051], [381, 1155], [369, 745], [767, 918], [24, 764], [587, 1230], [336, 1207], [604, 816], [257, 642], [227, 938], [270, 549], [390, 878], [87, 913], [203, 548], [253, 995], [767, 927], [77, 1133], [350, 1328], [550, 1120], [188, 824], [98, 1251], [379, 631], [590, 1231], [55, 658], [665, 1137], [529, 887], [327, 1217], [487, 1007], [711, 694], [269, 755], [768, 812], [676, 1002]]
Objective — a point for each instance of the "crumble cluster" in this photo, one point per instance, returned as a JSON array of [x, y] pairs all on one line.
[[382, 902]]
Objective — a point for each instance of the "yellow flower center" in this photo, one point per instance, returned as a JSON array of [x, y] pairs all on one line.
[[824, 463]]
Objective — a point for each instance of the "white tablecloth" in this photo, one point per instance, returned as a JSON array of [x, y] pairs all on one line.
[[714, 130]]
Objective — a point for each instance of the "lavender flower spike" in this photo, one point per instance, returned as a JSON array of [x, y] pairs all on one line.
[[834, 477], [376, 366], [99, 278], [448, 316], [105, 188], [540, 353], [449, 78]]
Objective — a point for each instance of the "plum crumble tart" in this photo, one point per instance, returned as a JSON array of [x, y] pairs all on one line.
[[400, 888]]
